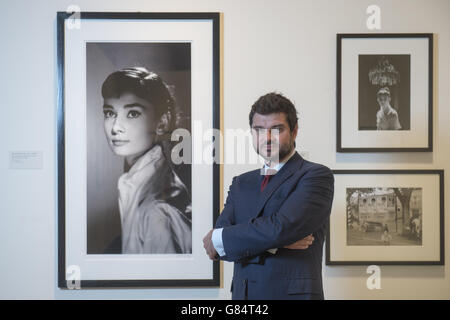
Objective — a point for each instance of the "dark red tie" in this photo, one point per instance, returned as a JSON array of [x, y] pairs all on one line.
[[269, 174]]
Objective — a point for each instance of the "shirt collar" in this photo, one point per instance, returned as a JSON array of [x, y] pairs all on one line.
[[279, 165]]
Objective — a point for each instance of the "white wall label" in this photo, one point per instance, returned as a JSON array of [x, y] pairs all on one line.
[[25, 159]]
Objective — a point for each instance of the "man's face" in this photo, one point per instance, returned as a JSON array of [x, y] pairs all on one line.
[[272, 137]]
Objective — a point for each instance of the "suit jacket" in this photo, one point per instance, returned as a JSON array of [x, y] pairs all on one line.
[[295, 203]]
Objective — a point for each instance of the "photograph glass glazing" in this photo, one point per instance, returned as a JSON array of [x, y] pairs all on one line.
[[138, 200], [384, 92], [132, 204], [384, 216], [396, 219]]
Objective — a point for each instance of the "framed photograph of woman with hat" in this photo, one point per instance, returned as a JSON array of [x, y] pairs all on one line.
[[384, 93]]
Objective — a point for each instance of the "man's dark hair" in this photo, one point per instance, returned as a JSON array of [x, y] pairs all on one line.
[[274, 103]]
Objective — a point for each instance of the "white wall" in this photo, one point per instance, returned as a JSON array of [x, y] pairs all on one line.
[[268, 45]]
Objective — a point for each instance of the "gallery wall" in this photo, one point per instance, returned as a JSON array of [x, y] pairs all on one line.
[[285, 45]]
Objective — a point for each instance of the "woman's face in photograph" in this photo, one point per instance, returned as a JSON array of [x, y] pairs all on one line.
[[129, 124], [383, 100]]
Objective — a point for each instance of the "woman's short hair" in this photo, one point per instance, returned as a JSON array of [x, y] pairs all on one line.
[[144, 84]]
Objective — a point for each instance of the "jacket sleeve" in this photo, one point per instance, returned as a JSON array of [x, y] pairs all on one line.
[[303, 212], [226, 218]]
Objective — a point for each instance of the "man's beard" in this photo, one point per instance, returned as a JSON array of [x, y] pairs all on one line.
[[284, 151]]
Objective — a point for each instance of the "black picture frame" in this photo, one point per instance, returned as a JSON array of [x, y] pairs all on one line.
[[62, 281], [439, 262], [339, 145]]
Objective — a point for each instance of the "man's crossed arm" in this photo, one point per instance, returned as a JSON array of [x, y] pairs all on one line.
[[304, 211], [212, 253]]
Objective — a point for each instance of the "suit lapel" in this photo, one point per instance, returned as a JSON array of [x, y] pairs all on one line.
[[290, 167]]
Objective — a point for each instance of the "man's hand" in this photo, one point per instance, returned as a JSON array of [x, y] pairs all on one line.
[[301, 244], [209, 247]]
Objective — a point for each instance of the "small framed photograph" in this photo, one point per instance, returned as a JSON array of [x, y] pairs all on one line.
[[384, 93], [133, 206], [392, 217]]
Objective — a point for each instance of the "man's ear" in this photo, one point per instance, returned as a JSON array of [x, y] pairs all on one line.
[[163, 124]]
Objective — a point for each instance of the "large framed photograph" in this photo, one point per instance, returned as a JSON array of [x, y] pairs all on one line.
[[133, 202], [384, 93], [391, 217]]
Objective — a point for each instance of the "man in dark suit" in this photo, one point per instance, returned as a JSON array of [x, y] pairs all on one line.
[[274, 221]]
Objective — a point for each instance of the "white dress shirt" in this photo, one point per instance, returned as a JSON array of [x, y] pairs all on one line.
[[217, 233]]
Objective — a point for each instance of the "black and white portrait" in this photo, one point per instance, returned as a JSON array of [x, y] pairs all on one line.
[[132, 88], [138, 201], [384, 92], [384, 216]]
